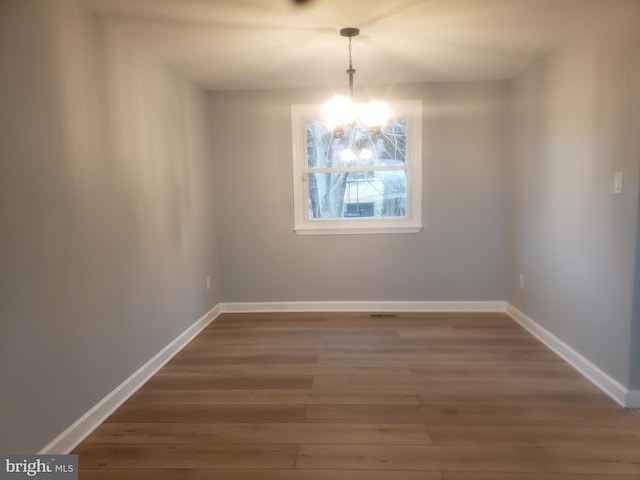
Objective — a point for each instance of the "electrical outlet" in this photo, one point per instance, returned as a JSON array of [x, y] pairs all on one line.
[[208, 282], [521, 281], [617, 183]]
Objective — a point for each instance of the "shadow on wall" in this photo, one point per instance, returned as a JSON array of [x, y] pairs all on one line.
[[109, 222]]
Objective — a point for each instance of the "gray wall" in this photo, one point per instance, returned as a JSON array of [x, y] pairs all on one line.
[[106, 214], [634, 372], [460, 254], [108, 194], [576, 122]]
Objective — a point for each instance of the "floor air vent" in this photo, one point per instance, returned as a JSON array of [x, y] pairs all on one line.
[[383, 315]]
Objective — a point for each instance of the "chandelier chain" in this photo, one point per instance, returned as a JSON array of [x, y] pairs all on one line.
[[350, 72]]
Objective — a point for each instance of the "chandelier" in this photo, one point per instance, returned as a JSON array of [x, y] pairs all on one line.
[[342, 113]]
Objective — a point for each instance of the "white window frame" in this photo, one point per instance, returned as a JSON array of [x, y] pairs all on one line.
[[411, 111]]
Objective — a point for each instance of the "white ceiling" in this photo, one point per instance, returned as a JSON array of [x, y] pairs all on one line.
[[256, 44]]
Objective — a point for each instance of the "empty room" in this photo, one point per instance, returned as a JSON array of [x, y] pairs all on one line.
[[305, 240]]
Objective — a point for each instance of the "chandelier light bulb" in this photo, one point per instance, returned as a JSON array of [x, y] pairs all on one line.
[[338, 112], [366, 154], [375, 114], [347, 155]]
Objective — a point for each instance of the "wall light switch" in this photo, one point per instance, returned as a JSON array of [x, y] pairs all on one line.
[[208, 280], [617, 183]]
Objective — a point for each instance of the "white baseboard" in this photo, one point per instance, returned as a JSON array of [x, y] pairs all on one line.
[[364, 306], [591, 372], [82, 428], [71, 437]]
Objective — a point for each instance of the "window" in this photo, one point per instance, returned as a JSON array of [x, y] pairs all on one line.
[[362, 182]]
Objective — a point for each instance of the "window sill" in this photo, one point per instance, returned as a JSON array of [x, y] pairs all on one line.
[[332, 229]]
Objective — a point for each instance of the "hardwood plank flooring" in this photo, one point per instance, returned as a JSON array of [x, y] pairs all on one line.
[[533, 476], [348, 396], [227, 382], [358, 396], [506, 396], [470, 414], [536, 435], [193, 413], [283, 369], [293, 474], [477, 458], [262, 433], [189, 456]]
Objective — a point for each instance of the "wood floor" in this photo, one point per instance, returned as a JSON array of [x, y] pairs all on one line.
[[356, 397]]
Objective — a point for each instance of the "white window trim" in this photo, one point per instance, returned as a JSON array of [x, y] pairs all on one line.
[[411, 110]]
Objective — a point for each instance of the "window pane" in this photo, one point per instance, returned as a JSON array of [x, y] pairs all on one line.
[[357, 194], [358, 147]]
